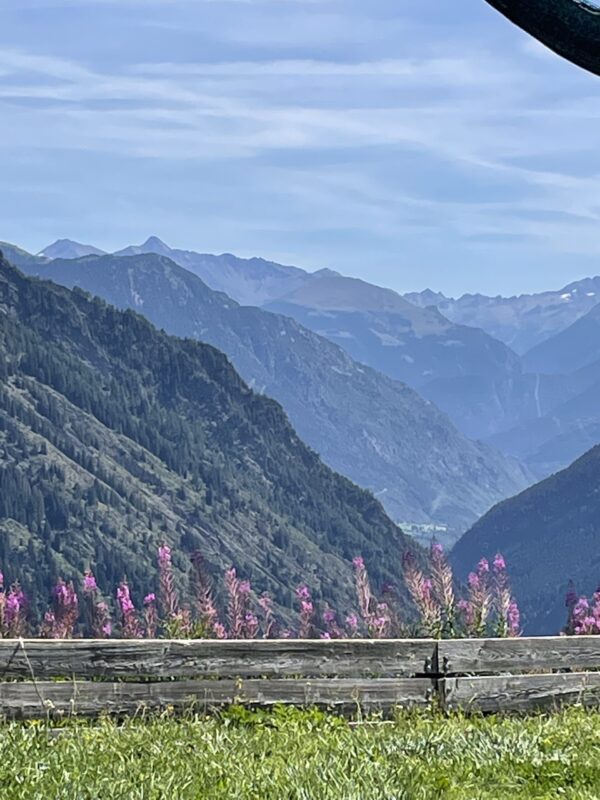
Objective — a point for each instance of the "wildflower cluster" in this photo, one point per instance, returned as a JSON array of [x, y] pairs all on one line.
[[583, 614], [488, 607], [12, 610]]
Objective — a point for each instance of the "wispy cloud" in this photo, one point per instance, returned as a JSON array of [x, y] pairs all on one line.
[[325, 118]]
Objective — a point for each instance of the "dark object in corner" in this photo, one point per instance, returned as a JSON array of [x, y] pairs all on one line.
[[569, 27]]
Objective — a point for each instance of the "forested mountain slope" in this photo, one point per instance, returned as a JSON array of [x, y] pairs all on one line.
[[549, 534], [115, 436]]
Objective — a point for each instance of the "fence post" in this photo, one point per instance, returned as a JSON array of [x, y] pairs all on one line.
[[440, 679]]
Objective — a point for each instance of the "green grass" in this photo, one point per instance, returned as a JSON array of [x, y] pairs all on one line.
[[305, 756]]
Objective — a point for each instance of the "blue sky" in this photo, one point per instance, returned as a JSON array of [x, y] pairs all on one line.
[[410, 143]]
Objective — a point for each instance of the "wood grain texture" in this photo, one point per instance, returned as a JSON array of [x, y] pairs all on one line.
[[546, 653], [163, 658], [500, 694], [570, 28], [26, 700]]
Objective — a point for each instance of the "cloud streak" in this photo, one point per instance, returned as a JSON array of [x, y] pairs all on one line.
[[464, 143]]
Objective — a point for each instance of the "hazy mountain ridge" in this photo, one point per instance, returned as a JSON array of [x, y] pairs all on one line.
[[115, 436], [571, 349], [488, 391], [367, 426], [521, 321], [249, 281], [67, 248], [476, 379]]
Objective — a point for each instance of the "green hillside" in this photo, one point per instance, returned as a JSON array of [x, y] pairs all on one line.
[[115, 436]]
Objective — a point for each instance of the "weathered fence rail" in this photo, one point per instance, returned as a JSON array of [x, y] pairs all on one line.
[[89, 677]]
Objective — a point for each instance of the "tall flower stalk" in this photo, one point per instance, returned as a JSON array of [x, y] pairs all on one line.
[[97, 612], [375, 614], [480, 599], [442, 581], [130, 626], [488, 607], [422, 592], [60, 622], [206, 607], [307, 611]]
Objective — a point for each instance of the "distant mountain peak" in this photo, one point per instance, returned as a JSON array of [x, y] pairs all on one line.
[[152, 245], [67, 248], [156, 245], [326, 272]]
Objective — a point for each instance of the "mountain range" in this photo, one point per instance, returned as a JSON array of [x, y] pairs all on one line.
[[488, 390], [115, 437], [365, 425], [477, 380], [116, 441], [536, 405], [522, 321]]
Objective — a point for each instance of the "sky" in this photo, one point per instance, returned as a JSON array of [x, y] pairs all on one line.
[[413, 144]]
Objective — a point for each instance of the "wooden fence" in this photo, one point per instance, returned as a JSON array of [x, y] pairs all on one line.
[[89, 677]]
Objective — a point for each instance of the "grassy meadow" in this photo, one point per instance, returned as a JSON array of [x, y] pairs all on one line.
[[304, 755]]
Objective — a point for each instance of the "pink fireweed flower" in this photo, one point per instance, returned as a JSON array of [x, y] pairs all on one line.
[[164, 554], [237, 605], [303, 592], [306, 612], [474, 580], [437, 550], [380, 621], [150, 598], [219, 630], [48, 627], [66, 609], [89, 583], [101, 624], [352, 622], [124, 599], [483, 567], [513, 618], [481, 600], [12, 608], [358, 562], [251, 625], [328, 616], [426, 588], [331, 627], [499, 563], [266, 603], [129, 622]]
